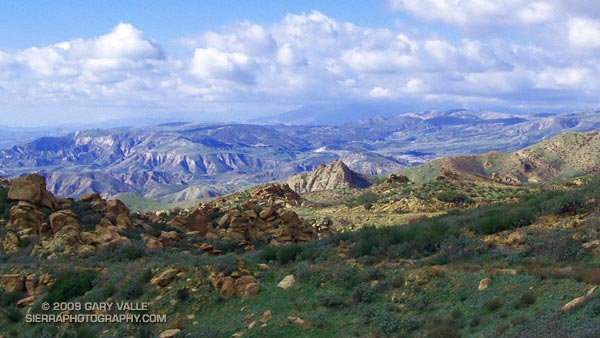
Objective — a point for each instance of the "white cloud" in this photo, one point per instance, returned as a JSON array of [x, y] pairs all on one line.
[[379, 92], [308, 58], [584, 33]]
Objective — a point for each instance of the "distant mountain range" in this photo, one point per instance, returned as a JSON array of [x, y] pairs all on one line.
[[178, 161]]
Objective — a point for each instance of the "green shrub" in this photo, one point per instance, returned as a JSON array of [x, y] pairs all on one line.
[[498, 218], [363, 293], [183, 294], [71, 284], [268, 254], [87, 215], [332, 298], [526, 299], [366, 199], [226, 264], [453, 197], [13, 315], [493, 304], [10, 299], [288, 253], [132, 289], [133, 252]]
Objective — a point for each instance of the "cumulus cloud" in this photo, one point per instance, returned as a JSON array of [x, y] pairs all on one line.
[[311, 57]]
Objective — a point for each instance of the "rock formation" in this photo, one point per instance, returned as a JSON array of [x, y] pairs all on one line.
[[334, 176]]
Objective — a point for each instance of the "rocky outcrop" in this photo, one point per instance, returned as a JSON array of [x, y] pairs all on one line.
[[31, 188], [395, 178], [164, 278], [272, 224], [26, 218], [335, 176]]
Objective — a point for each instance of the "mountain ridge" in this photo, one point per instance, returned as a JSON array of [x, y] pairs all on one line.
[[176, 161]]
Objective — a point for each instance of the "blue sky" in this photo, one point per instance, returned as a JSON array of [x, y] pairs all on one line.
[[85, 62]]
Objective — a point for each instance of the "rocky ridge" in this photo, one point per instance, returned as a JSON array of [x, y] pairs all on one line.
[[334, 176]]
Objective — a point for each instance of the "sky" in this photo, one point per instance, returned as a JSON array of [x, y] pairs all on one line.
[[91, 61]]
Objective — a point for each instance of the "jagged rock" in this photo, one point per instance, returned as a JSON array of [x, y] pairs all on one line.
[[26, 301], [31, 188], [12, 283], [335, 176], [169, 333], [168, 237], [287, 282], [266, 316], [579, 301], [276, 194], [195, 220], [115, 209], [251, 291], [242, 283], [164, 278], [10, 243], [62, 219], [298, 321], [108, 236], [395, 178], [152, 243], [25, 215]]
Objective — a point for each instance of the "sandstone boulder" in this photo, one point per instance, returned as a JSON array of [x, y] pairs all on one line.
[[164, 278], [12, 283], [31, 188], [287, 282]]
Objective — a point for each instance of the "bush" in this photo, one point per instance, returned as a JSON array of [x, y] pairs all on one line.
[[226, 264], [9, 299], [132, 289], [13, 315], [183, 294], [133, 252], [453, 197], [525, 300], [494, 304], [498, 218], [288, 253], [71, 284], [366, 199], [87, 215], [332, 299], [363, 294]]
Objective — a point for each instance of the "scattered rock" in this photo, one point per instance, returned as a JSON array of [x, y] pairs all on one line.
[[26, 301], [169, 333], [287, 282], [298, 321], [12, 283], [579, 301], [266, 316], [164, 278], [484, 284]]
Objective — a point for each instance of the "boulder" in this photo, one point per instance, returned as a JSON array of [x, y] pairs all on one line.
[[25, 215], [62, 219], [164, 278], [31, 188], [287, 282], [483, 284], [242, 283], [10, 243], [12, 283], [169, 333], [26, 301], [579, 301]]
